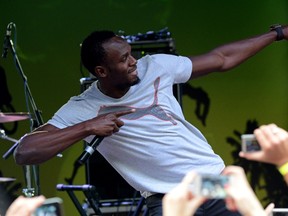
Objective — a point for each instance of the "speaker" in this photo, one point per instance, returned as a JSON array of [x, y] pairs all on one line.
[[165, 45]]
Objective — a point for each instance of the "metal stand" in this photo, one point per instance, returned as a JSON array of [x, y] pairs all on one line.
[[4, 136], [139, 208], [11, 150], [31, 171], [89, 192]]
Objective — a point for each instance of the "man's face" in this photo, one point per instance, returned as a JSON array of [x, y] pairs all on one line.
[[121, 65]]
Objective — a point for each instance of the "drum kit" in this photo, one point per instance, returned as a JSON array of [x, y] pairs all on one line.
[[31, 171], [11, 117], [5, 118]]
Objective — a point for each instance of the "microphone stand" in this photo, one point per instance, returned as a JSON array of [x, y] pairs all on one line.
[[31, 171]]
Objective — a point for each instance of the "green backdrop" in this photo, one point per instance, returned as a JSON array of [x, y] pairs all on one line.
[[49, 34]]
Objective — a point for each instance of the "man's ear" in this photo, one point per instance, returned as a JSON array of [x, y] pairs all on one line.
[[100, 71]]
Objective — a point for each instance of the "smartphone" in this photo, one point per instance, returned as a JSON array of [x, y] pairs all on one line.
[[51, 207], [210, 186], [249, 143]]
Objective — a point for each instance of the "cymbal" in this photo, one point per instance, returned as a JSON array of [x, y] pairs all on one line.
[[10, 117], [6, 179]]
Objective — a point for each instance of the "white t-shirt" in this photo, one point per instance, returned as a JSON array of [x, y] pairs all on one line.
[[156, 146]]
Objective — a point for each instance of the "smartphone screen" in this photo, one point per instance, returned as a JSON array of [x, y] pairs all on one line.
[[210, 186], [249, 143], [51, 207]]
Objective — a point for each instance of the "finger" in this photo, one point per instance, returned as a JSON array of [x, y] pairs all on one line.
[[263, 136], [255, 156], [119, 123], [196, 202], [116, 129], [270, 136], [266, 135], [189, 177], [269, 208], [270, 131], [124, 112], [22, 204], [232, 169], [230, 204], [34, 202]]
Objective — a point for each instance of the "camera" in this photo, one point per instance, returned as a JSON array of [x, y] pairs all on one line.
[[249, 143], [210, 186], [50, 207]]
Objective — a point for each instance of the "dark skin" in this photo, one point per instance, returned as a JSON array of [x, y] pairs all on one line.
[[116, 75], [57, 140]]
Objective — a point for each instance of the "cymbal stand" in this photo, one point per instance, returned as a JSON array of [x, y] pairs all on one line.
[[4, 136], [11, 150], [31, 171]]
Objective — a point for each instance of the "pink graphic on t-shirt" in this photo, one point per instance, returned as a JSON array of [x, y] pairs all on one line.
[[154, 109]]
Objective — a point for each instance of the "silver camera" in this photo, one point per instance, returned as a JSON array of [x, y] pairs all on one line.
[[249, 143], [210, 186]]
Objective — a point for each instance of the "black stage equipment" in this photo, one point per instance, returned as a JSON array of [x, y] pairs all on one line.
[[109, 184]]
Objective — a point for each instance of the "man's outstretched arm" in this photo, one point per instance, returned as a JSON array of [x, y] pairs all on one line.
[[230, 55]]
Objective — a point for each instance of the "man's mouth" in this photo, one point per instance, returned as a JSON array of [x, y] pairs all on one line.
[[133, 71]]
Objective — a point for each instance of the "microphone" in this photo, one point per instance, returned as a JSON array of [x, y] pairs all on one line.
[[85, 187], [6, 43], [89, 150]]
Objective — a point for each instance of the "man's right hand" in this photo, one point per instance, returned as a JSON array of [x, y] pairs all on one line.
[[107, 124]]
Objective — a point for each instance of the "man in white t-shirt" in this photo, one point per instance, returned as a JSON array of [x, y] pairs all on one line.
[[155, 146]]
